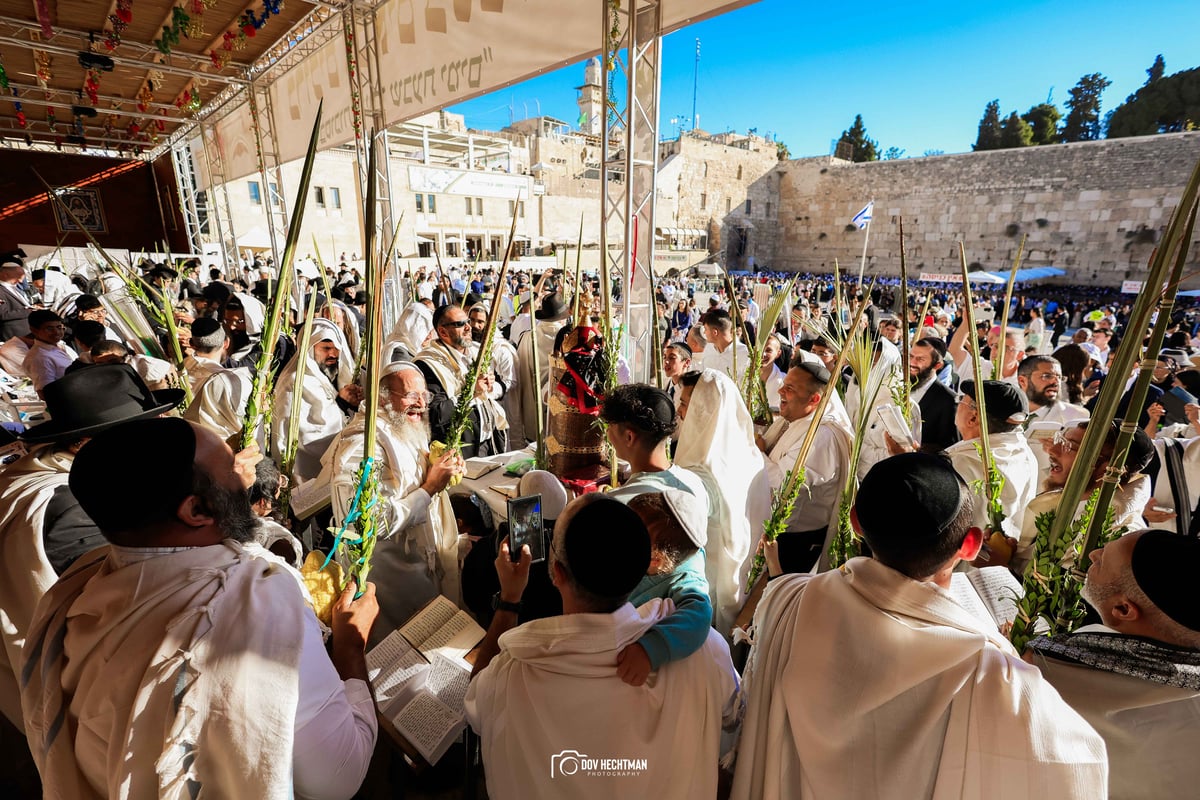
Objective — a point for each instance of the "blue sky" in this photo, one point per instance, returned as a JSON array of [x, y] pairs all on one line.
[[919, 73]]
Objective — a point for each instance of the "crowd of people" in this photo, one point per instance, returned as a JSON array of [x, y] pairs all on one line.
[[160, 640]]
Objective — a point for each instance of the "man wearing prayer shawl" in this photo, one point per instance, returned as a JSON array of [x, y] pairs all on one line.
[[413, 327], [546, 697], [208, 345], [42, 528], [804, 545], [243, 317], [446, 362], [328, 394], [177, 661], [551, 317], [871, 681], [416, 556], [1136, 677], [219, 403], [716, 442]]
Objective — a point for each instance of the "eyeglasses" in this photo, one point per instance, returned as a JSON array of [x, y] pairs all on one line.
[[1047, 376], [1061, 441], [413, 397], [462, 323]]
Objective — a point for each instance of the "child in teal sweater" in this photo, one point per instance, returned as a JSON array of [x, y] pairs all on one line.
[[678, 525]]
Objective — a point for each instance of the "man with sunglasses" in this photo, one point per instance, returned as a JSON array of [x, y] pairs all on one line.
[[446, 362]]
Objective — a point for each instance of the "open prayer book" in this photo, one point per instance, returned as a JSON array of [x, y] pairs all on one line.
[[421, 679], [990, 594]]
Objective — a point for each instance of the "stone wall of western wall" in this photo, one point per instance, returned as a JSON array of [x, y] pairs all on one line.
[[1094, 209]]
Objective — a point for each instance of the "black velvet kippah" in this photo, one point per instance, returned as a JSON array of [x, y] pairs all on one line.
[[607, 547], [912, 492], [135, 473], [205, 326], [1003, 400], [1165, 565]]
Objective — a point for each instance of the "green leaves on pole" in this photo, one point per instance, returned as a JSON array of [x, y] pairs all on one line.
[[258, 407]]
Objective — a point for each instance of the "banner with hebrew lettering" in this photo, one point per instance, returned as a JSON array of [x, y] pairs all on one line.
[[434, 53], [294, 97]]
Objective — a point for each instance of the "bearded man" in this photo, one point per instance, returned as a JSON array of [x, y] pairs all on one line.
[[328, 395], [42, 529], [179, 662], [416, 557], [1040, 377], [446, 362], [504, 364]]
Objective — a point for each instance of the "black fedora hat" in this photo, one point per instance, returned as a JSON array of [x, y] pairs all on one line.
[[86, 401], [553, 308]]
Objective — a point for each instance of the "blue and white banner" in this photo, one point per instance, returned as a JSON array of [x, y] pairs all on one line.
[[863, 218]]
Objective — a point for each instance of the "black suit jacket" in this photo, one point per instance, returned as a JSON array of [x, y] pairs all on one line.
[[938, 430]]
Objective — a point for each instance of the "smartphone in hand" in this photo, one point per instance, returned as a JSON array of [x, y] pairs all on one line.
[[525, 527]]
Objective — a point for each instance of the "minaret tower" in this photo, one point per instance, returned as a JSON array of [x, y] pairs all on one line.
[[591, 99]]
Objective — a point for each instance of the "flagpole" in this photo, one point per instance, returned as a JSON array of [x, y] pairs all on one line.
[[862, 264]]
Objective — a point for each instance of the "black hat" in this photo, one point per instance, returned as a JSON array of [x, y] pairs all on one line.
[[38, 275], [104, 468], [86, 401], [910, 493], [163, 271], [216, 292], [552, 308], [607, 547], [1164, 565], [1003, 400], [205, 326], [264, 288]]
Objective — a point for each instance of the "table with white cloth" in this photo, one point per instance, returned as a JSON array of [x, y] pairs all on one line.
[[489, 487]]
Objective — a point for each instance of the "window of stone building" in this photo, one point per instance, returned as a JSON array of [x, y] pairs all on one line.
[[768, 209], [335, 196], [479, 206], [319, 196], [703, 201], [739, 177], [420, 203], [747, 206], [728, 204], [517, 208], [273, 193], [255, 192], [470, 207], [431, 201]]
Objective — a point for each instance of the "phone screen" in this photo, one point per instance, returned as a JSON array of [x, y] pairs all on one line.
[[525, 527]]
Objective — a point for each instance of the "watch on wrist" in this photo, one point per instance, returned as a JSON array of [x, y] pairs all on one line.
[[504, 605]]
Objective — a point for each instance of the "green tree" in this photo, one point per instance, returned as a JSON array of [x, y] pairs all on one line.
[[1015, 132], [989, 128], [1083, 120], [893, 153], [1043, 119], [1166, 105], [863, 148], [1157, 69], [781, 150]]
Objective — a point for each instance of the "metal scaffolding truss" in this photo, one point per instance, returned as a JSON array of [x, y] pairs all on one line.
[[633, 51], [262, 116], [367, 105], [220, 214], [185, 183]]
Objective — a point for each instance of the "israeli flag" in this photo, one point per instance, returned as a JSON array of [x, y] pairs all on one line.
[[863, 218]]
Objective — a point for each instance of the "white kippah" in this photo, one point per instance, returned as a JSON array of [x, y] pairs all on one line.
[[393, 367]]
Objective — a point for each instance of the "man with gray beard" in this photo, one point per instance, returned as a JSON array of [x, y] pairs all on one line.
[[416, 557]]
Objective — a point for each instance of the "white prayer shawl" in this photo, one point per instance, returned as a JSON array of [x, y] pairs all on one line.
[[723, 361], [1127, 505], [57, 288], [156, 373], [412, 329], [554, 688], [199, 646], [320, 416], [922, 701], [255, 314], [26, 488], [504, 364], [826, 469], [1014, 460], [546, 332], [873, 447], [1191, 476], [1065, 415], [416, 557], [451, 368], [198, 369], [220, 402], [716, 441], [1149, 729]]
